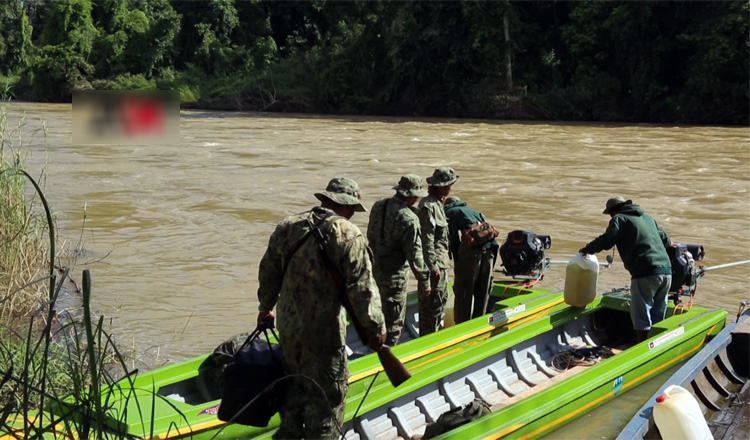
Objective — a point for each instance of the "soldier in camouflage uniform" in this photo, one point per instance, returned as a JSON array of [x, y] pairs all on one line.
[[311, 320], [436, 249], [394, 236]]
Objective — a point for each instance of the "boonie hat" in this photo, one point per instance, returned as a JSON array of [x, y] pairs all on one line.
[[443, 176], [615, 202], [344, 191], [410, 185], [451, 199]]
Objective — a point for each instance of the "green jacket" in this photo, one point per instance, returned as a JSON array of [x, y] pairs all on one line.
[[461, 218], [641, 243], [296, 281]]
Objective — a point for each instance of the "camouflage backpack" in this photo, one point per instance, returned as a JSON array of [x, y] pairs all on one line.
[[456, 417]]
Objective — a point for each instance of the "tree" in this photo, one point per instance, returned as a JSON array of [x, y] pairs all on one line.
[[15, 37], [68, 37]]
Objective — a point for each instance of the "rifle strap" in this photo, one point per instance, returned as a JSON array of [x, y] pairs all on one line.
[[337, 278], [300, 242]]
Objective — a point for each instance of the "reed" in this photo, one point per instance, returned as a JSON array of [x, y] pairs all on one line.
[[66, 365], [22, 247]]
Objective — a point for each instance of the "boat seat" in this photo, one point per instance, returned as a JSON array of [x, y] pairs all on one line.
[[525, 367], [541, 364], [457, 393], [379, 427], [507, 379], [352, 435], [408, 419], [482, 384], [433, 404]]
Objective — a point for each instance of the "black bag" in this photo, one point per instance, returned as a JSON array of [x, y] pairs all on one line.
[[255, 374]]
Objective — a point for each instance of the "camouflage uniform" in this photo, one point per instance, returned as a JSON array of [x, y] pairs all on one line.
[[394, 236], [436, 252], [311, 320]]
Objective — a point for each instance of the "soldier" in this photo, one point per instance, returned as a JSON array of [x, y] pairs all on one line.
[[293, 276], [394, 236], [473, 260], [435, 247]]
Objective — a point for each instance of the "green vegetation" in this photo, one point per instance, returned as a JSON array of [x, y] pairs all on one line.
[[65, 363], [646, 61]]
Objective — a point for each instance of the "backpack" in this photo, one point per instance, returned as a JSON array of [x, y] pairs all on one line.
[[480, 234], [456, 417]]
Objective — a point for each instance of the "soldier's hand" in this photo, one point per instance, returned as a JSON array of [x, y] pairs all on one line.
[[426, 292], [266, 318], [376, 342]]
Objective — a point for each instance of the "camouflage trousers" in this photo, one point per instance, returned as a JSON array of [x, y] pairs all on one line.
[[471, 283], [393, 292], [432, 308], [316, 394]]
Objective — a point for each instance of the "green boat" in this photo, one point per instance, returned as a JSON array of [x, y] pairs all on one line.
[[182, 400], [531, 378]]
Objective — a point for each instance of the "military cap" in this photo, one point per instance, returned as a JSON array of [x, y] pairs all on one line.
[[410, 185], [443, 176], [344, 191]]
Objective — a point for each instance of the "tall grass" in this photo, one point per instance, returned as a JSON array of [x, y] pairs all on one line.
[[57, 373], [23, 250]]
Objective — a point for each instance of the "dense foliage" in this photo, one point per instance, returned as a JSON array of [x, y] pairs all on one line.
[[646, 61]]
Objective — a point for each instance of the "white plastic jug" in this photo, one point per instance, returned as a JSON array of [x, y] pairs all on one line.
[[678, 416], [580, 280]]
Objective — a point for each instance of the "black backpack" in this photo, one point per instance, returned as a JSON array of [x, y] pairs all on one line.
[[255, 374]]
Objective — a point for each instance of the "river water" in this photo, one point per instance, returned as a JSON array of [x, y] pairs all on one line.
[[173, 235]]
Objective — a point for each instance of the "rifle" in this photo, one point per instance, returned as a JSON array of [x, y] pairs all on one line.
[[394, 369]]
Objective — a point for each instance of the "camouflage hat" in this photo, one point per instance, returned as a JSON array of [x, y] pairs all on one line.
[[443, 176], [451, 199], [410, 185], [344, 191], [615, 202]]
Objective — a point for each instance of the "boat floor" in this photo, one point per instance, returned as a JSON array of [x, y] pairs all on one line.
[[552, 381], [734, 422]]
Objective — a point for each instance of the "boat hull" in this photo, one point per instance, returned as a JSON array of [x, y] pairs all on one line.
[[718, 376], [502, 371]]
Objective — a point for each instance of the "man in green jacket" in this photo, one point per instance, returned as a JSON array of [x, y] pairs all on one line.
[[394, 236], [295, 278], [435, 247], [473, 263], [642, 246]]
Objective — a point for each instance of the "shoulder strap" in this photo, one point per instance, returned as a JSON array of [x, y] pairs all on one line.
[[337, 279]]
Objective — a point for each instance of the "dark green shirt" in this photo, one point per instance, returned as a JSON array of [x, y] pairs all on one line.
[[641, 243], [461, 218]]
